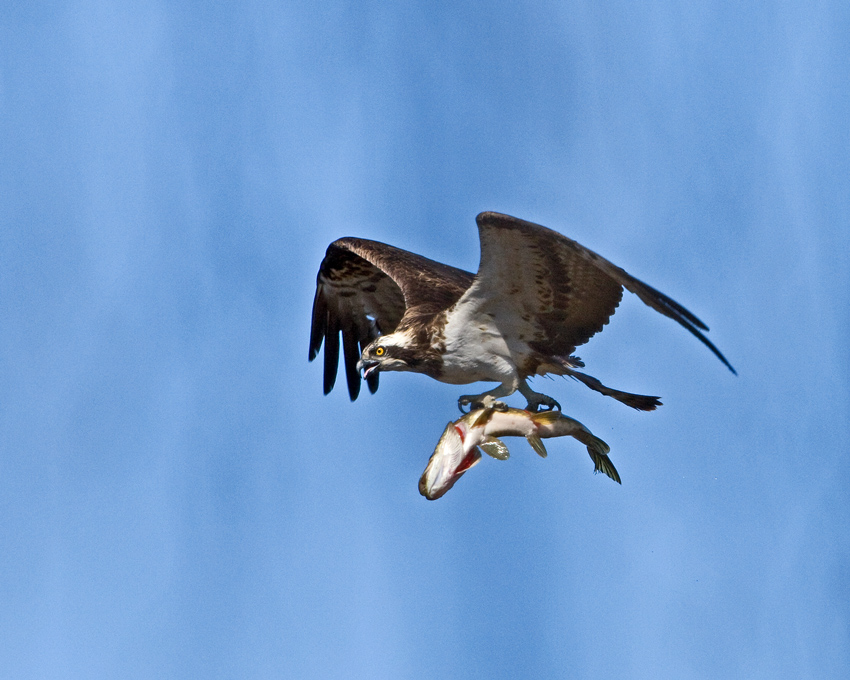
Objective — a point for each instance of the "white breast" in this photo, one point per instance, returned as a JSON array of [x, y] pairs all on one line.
[[475, 350]]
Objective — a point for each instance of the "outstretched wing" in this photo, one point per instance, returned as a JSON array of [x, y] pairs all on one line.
[[552, 293], [364, 289]]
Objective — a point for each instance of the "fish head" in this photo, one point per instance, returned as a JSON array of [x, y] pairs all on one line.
[[449, 461]]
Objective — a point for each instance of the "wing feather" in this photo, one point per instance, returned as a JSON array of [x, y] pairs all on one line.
[[556, 294], [319, 325], [351, 354], [331, 352], [363, 290]]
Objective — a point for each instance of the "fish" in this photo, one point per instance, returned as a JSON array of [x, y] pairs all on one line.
[[460, 446]]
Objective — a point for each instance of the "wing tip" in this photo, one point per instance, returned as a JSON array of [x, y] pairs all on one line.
[[713, 349], [491, 217], [372, 382]]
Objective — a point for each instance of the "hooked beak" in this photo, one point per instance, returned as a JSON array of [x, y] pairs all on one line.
[[367, 366]]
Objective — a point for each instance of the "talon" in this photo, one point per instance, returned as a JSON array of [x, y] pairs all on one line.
[[543, 404]]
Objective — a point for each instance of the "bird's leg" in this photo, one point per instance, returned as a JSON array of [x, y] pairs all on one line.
[[536, 400], [485, 400]]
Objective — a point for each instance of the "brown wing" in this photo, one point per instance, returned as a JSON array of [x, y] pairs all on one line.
[[363, 290], [558, 292]]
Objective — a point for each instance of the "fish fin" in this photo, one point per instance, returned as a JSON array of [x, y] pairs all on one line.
[[593, 443], [480, 417], [537, 445], [546, 417], [598, 451], [602, 463], [495, 448]]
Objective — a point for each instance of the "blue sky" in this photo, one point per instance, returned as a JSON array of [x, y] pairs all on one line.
[[178, 499]]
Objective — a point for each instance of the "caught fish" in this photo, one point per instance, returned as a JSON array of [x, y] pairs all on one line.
[[461, 443]]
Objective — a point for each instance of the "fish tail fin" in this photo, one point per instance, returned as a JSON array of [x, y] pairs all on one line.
[[602, 463], [598, 451], [593, 443]]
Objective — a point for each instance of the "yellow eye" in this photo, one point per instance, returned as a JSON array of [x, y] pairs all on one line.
[[380, 351]]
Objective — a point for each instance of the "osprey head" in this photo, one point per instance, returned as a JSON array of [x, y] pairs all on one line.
[[388, 353]]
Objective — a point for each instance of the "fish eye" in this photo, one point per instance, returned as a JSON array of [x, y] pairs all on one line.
[[380, 351]]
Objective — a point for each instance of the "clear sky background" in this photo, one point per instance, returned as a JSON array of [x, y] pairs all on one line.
[[178, 499]]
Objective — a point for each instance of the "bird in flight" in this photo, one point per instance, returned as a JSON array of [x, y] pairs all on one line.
[[537, 296]]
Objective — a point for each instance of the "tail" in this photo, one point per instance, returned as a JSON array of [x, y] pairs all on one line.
[[598, 451], [556, 424], [641, 402], [602, 463]]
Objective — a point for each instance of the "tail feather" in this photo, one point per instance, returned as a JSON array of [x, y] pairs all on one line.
[[641, 402]]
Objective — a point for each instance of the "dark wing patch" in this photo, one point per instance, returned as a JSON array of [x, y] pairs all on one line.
[[539, 290], [357, 299], [564, 292], [427, 286], [363, 290]]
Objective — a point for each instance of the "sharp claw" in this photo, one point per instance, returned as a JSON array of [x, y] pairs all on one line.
[[547, 404]]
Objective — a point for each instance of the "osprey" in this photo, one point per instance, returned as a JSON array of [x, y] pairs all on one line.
[[536, 297]]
